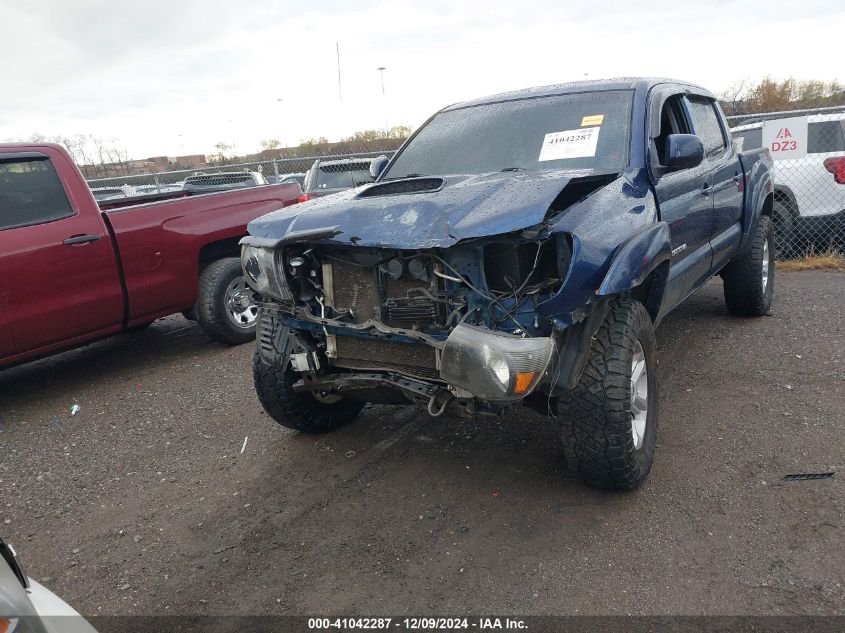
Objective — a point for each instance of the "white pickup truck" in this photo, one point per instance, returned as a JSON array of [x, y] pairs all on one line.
[[809, 206]]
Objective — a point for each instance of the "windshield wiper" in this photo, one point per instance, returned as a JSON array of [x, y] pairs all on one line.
[[514, 169]]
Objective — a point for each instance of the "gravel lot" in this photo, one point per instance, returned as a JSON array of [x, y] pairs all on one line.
[[143, 502]]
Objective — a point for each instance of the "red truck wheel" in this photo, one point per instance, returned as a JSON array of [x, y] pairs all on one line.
[[226, 306]]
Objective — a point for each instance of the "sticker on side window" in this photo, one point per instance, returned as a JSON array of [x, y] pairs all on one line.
[[579, 143]]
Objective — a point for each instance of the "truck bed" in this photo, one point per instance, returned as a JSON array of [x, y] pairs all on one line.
[[158, 242]]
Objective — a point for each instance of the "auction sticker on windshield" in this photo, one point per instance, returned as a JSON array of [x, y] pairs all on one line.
[[580, 143]]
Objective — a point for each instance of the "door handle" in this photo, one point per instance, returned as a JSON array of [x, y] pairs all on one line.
[[737, 177], [705, 189], [81, 239]]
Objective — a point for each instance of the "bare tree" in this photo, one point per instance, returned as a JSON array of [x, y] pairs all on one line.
[[95, 157], [223, 152], [733, 97], [271, 143]]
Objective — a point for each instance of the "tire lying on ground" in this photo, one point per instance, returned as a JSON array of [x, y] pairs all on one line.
[[609, 421], [749, 280], [274, 380], [226, 307]]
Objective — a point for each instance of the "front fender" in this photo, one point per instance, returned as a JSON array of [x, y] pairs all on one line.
[[637, 259]]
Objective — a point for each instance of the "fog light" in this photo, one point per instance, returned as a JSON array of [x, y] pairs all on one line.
[[493, 365]]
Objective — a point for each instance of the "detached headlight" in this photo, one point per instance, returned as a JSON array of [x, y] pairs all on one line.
[[262, 272], [493, 365]]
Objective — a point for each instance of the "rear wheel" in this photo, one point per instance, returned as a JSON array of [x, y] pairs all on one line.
[[609, 421], [750, 279], [785, 239], [226, 306]]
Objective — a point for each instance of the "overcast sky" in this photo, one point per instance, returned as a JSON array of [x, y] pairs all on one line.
[[174, 76]]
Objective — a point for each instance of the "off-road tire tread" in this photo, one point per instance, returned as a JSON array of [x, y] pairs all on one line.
[[291, 409], [595, 416], [211, 313], [744, 295]]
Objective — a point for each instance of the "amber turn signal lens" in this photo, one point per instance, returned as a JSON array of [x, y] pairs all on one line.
[[522, 380], [8, 625]]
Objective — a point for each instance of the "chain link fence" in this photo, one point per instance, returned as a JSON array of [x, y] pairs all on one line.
[[269, 171], [808, 149]]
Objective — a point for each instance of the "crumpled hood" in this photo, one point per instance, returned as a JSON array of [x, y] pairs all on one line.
[[464, 207]]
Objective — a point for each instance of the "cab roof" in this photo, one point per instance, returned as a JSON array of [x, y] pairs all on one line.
[[593, 85]]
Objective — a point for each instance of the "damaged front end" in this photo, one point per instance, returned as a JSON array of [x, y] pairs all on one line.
[[458, 329]]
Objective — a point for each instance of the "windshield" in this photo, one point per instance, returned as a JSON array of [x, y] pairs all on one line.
[[574, 131], [344, 175]]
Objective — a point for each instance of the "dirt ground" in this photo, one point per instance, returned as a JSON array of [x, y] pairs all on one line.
[[145, 503]]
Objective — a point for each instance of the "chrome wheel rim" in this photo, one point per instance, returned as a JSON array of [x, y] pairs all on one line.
[[639, 395], [241, 307], [765, 265]]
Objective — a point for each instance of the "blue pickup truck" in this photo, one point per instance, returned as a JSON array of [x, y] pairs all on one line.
[[519, 249]]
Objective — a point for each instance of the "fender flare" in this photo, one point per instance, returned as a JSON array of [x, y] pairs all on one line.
[[637, 259], [761, 188]]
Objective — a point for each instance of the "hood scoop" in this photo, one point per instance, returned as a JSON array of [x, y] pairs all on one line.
[[407, 185]]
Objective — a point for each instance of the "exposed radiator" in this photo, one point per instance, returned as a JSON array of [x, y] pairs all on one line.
[[356, 288], [362, 353]]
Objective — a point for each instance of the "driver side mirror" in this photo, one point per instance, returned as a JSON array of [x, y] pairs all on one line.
[[683, 151], [377, 166]]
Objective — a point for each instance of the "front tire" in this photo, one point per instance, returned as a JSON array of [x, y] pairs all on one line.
[[274, 380], [749, 280], [609, 420], [226, 307]]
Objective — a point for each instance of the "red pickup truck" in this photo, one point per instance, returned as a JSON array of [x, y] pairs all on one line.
[[72, 271]]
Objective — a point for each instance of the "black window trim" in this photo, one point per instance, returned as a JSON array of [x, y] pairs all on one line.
[[19, 157], [679, 114]]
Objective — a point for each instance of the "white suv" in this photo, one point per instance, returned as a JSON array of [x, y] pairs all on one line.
[[809, 194]]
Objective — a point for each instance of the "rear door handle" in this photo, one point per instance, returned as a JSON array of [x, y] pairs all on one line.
[[81, 239], [737, 177], [705, 189]]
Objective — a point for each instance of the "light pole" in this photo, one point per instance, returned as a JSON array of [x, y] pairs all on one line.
[[232, 128], [381, 70], [280, 101]]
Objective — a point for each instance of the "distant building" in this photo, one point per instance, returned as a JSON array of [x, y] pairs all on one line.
[[152, 165], [190, 161]]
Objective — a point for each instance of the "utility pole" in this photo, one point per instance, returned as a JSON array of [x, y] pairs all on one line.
[[339, 87], [381, 70], [280, 102]]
